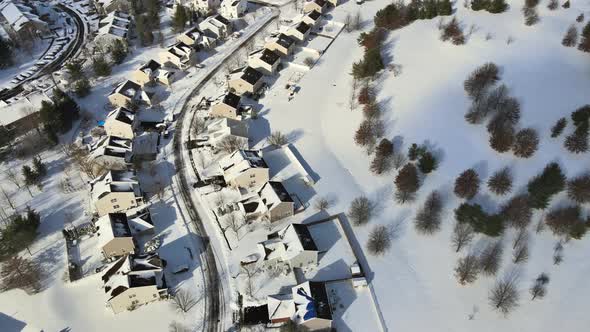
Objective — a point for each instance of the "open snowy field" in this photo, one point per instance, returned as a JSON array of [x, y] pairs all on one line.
[[414, 281]]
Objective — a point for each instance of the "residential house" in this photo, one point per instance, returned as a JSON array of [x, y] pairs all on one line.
[[265, 61], [134, 281], [281, 309], [221, 128], [317, 5], [104, 7], [216, 26], [116, 232], [245, 81], [203, 6], [152, 72], [180, 55], [333, 3], [312, 18], [196, 39], [277, 200], [145, 146], [115, 26], [312, 306], [112, 151], [299, 32], [228, 107], [245, 169], [301, 250], [21, 21], [121, 123], [128, 93], [115, 191], [282, 44], [233, 8]]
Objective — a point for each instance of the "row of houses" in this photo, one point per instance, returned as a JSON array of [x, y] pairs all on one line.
[[22, 20]]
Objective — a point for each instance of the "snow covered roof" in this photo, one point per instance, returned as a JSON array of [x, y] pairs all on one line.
[[280, 306], [224, 126], [180, 50], [273, 249], [240, 161], [284, 40], [121, 114], [297, 238], [114, 181], [267, 56], [303, 27], [231, 99], [314, 15], [129, 272], [111, 226], [146, 143], [128, 88], [273, 193], [150, 66], [18, 16], [116, 23], [112, 146], [311, 301]]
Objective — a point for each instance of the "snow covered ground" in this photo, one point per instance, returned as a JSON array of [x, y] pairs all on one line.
[[414, 281]]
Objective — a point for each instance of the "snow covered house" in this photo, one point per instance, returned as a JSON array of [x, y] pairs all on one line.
[[312, 306], [216, 26], [228, 107], [317, 5], [312, 18], [299, 31], [233, 8], [21, 21], [180, 55], [281, 308], [115, 191], [265, 61], [130, 92], [152, 72], [245, 80], [116, 232], [301, 250], [134, 281], [104, 7], [282, 44], [196, 39], [277, 200], [245, 169], [202, 6], [121, 122], [219, 129], [112, 151], [145, 146], [115, 26]]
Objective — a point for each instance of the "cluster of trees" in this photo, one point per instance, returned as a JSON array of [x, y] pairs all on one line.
[[372, 62], [452, 31], [502, 110], [397, 15], [492, 6], [567, 221], [428, 218], [58, 115], [571, 36], [18, 233], [34, 175], [576, 142], [353, 22], [372, 128], [147, 19], [6, 59], [18, 272], [426, 160], [80, 84], [407, 181], [531, 17], [479, 220], [180, 17]]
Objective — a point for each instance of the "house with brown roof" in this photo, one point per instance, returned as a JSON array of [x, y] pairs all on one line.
[[282, 44], [265, 61], [245, 81]]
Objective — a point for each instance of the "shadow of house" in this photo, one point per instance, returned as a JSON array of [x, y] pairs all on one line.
[[11, 324]]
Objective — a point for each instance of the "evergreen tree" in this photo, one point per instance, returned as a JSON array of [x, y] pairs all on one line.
[[474, 215], [119, 51], [558, 128], [578, 141], [31, 177], [578, 189], [571, 37], [480, 4], [415, 151], [444, 7], [82, 88], [500, 182], [467, 184], [179, 18], [39, 166], [6, 59], [74, 70], [407, 183], [585, 40], [543, 186], [497, 6], [100, 66], [526, 143], [427, 163]]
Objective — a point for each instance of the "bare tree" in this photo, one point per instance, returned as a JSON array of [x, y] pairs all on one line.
[[235, 222], [13, 177], [539, 288], [462, 235], [490, 258], [198, 127], [504, 295], [517, 211], [360, 211], [231, 143], [277, 138], [18, 272], [379, 240], [184, 300], [521, 253], [521, 236], [322, 204], [398, 159], [353, 92], [7, 198], [557, 253], [467, 269], [250, 271]]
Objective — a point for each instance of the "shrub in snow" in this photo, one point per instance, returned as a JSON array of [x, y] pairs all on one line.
[[517, 212], [322, 204], [379, 240], [82, 88], [427, 163], [571, 37], [428, 218], [407, 183], [530, 16], [467, 184], [539, 288], [558, 127], [566, 4], [277, 138], [481, 79], [526, 143], [360, 211], [474, 215], [543, 186], [581, 116], [309, 61], [580, 18], [452, 31], [467, 269], [492, 6], [578, 189], [553, 4], [490, 258], [500, 183]]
